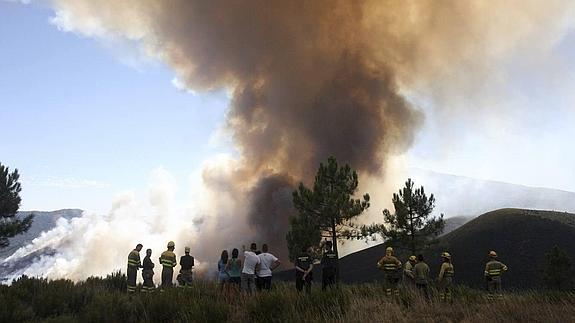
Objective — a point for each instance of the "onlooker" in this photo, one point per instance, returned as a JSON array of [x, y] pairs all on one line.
[[234, 268], [148, 272], [329, 266], [186, 264], [303, 271], [268, 263], [421, 273], [223, 275], [251, 265]]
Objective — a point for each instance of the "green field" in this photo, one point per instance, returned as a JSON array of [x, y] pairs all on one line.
[[102, 300]]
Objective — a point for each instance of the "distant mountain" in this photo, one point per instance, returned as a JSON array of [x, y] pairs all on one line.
[[521, 238], [459, 195], [43, 221]]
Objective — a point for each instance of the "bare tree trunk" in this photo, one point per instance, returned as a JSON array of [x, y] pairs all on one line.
[[334, 242]]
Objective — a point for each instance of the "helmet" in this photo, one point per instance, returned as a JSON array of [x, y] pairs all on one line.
[[171, 244], [389, 250], [446, 255], [492, 254], [412, 258], [187, 249]]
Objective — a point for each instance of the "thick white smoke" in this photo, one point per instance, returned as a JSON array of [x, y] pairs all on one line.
[[96, 244]]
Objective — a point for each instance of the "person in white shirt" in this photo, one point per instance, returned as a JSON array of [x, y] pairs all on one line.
[[268, 263], [251, 266]]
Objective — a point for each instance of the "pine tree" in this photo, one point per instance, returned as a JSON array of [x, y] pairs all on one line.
[[412, 227], [326, 211], [9, 204], [557, 272]]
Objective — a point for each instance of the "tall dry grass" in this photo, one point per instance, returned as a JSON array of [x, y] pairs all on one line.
[[104, 300]]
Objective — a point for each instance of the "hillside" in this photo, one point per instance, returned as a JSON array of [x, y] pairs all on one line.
[[43, 222], [521, 237]]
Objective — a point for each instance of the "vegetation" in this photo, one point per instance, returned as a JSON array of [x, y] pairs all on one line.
[[104, 300], [9, 204], [327, 210], [411, 226], [557, 272]]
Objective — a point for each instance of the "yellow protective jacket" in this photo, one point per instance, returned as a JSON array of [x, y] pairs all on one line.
[[389, 264], [494, 268], [134, 259], [168, 259], [446, 271]]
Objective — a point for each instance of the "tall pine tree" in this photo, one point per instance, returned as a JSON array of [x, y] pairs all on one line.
[[9, 204], [411, 226], [326, 211]]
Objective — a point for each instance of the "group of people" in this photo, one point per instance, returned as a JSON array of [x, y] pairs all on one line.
[[254, 271], [251, 273], [416, 274], [167, 260]]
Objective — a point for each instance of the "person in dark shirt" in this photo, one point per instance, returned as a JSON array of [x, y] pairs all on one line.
[[148, 272], [303, 271], [186, 264], [329, 263]]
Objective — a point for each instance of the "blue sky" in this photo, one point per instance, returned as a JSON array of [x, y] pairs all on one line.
[[83, 120], [81, 124]]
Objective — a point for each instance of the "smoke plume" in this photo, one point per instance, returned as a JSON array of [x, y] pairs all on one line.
[[312, 79]]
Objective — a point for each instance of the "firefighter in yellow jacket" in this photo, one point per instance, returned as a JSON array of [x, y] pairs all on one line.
[[168, 262], [133, 265], [445, 278], [391, 267], [493, 271]]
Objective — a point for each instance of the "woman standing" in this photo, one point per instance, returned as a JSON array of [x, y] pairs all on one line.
[[234, 268], [223, 275]]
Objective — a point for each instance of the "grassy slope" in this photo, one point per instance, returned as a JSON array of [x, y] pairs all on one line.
[[521, 237], [99, 300]]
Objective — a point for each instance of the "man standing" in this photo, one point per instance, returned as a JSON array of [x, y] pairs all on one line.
[[186, 264], [168, 261], [148, 272], [268, 263], [133, 266], [445, 278], [251, 265], [303, 271], [390, 266], [328, 266], [493, 271], [408, 276], [421, 273]]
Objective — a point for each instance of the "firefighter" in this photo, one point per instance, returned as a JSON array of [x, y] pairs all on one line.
[[421, 274], [186, 264], [148, 272], [445, 278], [493, 271], [391, 267], [168, 262], [408, 276], [329, 266], [133, 266]]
